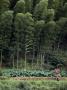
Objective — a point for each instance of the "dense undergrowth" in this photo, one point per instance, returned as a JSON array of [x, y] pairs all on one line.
[[32, 85]]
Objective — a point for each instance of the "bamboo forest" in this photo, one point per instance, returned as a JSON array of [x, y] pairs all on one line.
[[33, 44]]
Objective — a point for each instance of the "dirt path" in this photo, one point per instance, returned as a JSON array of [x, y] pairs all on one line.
[[36, 78]]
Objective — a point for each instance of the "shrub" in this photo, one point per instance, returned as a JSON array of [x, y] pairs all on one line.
[[24, 86]]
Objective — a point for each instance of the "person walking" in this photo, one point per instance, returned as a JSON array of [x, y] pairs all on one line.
[[57, 72]]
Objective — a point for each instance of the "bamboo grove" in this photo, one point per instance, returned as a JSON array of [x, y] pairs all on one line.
[[33, 32]]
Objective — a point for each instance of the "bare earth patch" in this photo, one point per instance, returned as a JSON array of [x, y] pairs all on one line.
[[37, 78]]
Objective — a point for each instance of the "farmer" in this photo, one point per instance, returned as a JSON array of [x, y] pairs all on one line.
[[57, 73]]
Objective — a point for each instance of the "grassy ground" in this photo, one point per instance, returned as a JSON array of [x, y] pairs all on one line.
[[11, 84]]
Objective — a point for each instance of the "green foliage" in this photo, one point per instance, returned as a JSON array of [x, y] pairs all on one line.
[[24, 26], [31, 85], [56, 4], [24, 85], [20, 6], [19, 73], [65, 9], [0, 72], [50, 29], [4, 5], [50, 14], [64, 73], [31, 28], [40, 9], [5, 27], [28, 5], [16, 73]]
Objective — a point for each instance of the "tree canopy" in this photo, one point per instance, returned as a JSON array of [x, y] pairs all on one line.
[[33, 31]]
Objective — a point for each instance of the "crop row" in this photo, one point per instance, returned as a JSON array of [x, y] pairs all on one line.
[[19, 73]]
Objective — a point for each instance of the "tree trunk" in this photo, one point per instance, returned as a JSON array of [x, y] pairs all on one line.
[[37, 60], [17, 55], [25, 60], [13, 62], [58, 45], [33, 57], [41, 61], [1, 58]]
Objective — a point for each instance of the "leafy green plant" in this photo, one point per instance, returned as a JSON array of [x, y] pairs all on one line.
[[0, 72], [36, 73]]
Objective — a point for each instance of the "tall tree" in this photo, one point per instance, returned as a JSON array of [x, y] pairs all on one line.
[[39, 39], [19, 34], [24, 28], [6, 29], [29, 29], [61, 31], [50, 34]]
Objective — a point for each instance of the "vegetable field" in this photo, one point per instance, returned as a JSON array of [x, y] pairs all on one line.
[[29, 73]]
